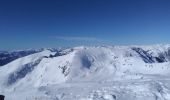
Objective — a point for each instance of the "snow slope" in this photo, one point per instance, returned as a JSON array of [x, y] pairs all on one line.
[[102, 72], [8, 56]]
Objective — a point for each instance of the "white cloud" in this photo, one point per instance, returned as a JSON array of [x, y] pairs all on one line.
[[77, 38]]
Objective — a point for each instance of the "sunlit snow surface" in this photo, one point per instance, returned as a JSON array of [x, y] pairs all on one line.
[[89, 73]]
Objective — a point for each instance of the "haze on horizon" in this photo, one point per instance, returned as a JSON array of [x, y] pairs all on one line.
[[53, 23]]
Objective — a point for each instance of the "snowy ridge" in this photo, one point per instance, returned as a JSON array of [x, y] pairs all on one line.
[[101, 65], [9, 56]]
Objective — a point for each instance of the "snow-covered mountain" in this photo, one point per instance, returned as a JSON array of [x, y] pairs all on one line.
[[9, 56], [113, 71]]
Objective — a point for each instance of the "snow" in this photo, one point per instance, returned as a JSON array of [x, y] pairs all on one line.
[[109, 97], [90, 73]]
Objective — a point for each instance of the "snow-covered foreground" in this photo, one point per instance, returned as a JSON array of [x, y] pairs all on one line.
[[145, 89], [90, 73]]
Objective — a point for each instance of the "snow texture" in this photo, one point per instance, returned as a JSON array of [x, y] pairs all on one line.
[[88, 73]]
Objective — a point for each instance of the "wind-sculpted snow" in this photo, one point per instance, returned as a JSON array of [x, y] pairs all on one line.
[[89, 73], [86, 62]]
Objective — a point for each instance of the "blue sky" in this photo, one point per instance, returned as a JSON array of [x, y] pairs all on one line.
[[53, 23]]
